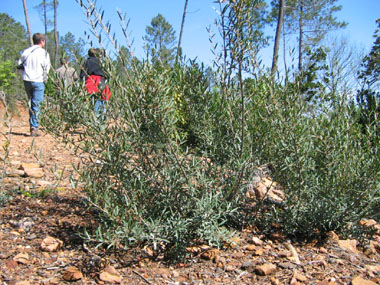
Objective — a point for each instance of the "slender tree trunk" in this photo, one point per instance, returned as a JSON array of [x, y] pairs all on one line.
[[27, 22], [284, 51], [300, 43], [45, 19], [181, 31], [241, 87], [280, 22], [55, 33]]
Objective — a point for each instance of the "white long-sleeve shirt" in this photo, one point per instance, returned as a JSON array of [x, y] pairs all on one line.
[[36, 62]]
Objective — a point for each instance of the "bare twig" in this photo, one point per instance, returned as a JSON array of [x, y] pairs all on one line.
[[290, 247], [142, 277], [8, 123]]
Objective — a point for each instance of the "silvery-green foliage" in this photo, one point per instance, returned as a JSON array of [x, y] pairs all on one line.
[[327, 165], [169, 166]]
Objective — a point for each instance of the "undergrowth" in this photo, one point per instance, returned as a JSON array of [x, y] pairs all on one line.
[[170, 166]]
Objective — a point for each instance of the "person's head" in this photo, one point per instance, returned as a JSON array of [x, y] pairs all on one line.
[[91, 52], [64, 61], [99, 52], [39, 39], [95, 52]]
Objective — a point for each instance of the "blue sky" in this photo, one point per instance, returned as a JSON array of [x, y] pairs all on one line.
[[360, 15]]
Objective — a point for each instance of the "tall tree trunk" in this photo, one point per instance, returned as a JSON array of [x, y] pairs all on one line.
[[45, 18], [300, 42], [280, 22], [27, 22], [241, 87], [284, 51], [181, 31], [55, 34]]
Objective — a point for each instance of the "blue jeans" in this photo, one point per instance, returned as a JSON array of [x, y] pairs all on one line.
[[35, 92], [100, 110]]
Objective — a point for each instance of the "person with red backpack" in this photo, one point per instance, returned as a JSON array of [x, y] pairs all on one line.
[[95, 81]]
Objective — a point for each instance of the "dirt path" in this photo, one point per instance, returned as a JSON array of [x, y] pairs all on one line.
[[37, 201], [56, 161]]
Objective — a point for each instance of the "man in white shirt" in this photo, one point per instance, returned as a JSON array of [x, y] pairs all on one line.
[[36, 62]]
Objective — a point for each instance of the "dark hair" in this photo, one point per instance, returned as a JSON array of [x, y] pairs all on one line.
[[38, 37], [63, 60], [91, 52], [96, 52]]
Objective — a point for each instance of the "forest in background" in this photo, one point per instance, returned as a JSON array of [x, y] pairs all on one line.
[[183, 141]]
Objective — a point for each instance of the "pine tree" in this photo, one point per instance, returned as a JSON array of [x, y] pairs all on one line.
[[311, 20], [43, 9], [368, 97], [13, 38], [181, 31], [71, 48], [280, 22], [27, 21], [160, 41], [55, 33]]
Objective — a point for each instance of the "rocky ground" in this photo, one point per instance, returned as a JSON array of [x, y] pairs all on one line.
[[41, 215]]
